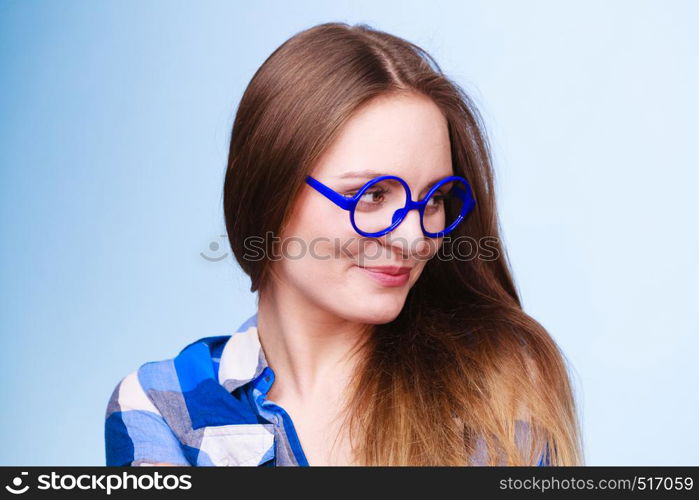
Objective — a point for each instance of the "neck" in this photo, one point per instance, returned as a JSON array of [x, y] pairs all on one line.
[[310, 350]]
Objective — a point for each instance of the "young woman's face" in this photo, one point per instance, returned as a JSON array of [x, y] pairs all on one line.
[[325, 262]]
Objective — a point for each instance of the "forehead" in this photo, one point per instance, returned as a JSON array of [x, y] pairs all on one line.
[[404, 135]]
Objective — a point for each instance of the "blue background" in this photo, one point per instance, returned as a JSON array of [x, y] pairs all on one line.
[[114, 124]]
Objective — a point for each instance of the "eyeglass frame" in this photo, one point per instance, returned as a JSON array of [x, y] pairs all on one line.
[[349, 203]]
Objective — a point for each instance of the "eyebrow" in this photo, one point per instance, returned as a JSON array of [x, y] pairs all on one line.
[[370, 174], [361, 175]]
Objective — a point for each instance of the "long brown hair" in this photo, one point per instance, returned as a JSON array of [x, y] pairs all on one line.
[[463, 375]]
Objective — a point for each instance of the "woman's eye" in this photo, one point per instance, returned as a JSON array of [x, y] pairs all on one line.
[[436, 200], [372, 196]]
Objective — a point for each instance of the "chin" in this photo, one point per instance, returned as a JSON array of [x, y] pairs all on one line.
[[378, 310]]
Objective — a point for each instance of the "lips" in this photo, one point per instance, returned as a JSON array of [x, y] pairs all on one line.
[[387, 276], [392, 270]]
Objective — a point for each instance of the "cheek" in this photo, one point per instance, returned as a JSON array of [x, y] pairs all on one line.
[[313, 245], [318, 273], [314, 218], [430, 249]]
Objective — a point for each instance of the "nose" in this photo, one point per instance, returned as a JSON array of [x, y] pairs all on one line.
[[408, 237]]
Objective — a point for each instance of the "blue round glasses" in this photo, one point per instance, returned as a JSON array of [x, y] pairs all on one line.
[[381, 204]]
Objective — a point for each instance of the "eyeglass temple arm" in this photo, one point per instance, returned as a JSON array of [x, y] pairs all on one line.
[[466, 195], [341, 201]]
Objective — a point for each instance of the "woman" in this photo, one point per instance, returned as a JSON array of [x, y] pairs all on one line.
[[356, 172]]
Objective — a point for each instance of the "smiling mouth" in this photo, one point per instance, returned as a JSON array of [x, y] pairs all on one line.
[[388, 276], [390, 270]]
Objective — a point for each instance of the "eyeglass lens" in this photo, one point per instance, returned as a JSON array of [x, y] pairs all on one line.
[[383, 201]]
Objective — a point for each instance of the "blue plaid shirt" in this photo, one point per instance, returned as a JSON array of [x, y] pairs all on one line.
[[205, 407]]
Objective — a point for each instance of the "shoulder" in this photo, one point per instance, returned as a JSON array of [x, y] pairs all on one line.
[[153, 381], [146, 416], [195, 363], [151, 411], [165, 375], [135, 430]]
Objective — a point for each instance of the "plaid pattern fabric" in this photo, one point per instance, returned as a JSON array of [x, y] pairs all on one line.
[[205, 407]]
